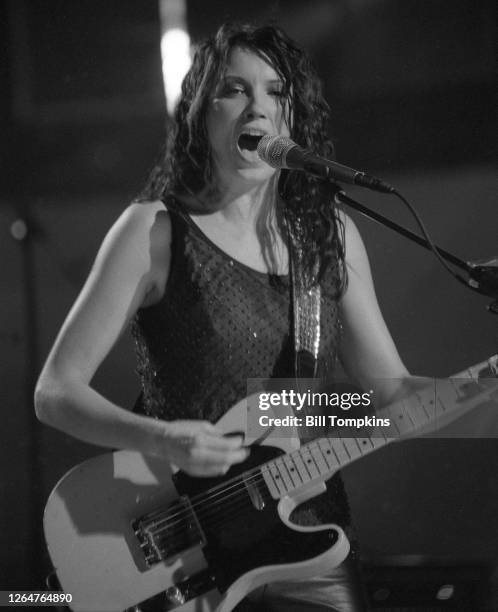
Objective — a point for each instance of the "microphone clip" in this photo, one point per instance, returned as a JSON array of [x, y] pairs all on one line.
[[483, 277]]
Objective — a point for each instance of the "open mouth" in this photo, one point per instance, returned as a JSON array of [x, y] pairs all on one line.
[[249, 142]]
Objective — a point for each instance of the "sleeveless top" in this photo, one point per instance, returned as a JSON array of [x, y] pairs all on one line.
[[218, 323]]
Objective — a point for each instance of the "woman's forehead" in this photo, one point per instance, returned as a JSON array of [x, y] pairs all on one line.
[[243, 61]]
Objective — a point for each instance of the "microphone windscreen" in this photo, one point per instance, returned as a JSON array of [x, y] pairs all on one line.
[[273, 150]]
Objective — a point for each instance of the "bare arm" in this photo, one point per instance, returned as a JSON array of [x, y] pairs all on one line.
[[368, 353], [130, 271]]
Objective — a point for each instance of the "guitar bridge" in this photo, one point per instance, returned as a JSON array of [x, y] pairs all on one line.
[[163, 535]]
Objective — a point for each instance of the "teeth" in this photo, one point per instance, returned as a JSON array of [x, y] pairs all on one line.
[[253, 132]]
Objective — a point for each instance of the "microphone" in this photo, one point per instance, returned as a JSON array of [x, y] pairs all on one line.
[[282, 152]]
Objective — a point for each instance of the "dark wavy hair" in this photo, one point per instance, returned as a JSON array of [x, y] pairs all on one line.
[[186, 165]]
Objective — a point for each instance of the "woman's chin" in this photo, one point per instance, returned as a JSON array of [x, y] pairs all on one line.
[[256, 173]]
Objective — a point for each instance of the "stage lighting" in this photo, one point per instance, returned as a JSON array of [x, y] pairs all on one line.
[[175, 48]]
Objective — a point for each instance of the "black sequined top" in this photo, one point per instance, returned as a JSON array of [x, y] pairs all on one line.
[[219, 323]]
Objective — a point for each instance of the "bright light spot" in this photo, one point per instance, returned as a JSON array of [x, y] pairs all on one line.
[[175, 53], [445, 592], [19, 229]]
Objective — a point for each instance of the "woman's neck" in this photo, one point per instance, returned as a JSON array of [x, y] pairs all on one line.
[[240, 205], [248, 225]]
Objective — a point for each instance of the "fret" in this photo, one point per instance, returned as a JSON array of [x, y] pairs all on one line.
[[448, 396], [377, 439], [290, 468], [304, 473], [391, 432], [415, 410], [437, 404], [352, 447], [365, 445], [284, 475], [400, 419], [317, 454], [328, 453], [308, 463], [396, 426], [428, 402], [340, 450], [274, 480]]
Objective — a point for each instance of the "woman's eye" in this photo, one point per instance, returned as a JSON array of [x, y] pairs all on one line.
[[279, 93], [234, 90]]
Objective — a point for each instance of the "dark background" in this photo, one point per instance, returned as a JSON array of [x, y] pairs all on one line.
[[413, 100]]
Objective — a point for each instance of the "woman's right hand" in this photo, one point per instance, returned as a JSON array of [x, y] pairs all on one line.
[[200, 448]]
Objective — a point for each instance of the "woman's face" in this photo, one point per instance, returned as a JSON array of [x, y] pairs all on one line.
[[246, 104]]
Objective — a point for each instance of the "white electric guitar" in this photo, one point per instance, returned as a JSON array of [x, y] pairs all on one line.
[[125, 532]]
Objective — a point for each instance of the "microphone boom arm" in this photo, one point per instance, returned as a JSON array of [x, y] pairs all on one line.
[[483, 275]]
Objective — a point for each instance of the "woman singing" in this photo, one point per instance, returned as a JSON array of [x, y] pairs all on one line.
[[199, 266]]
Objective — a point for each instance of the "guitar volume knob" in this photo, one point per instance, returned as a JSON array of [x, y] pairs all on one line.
[[174, 595]]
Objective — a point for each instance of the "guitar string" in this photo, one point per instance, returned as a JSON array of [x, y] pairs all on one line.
[[249, 475], [237, 507], [234, 508], [238, 481], [174, 518], [168, 523], [178, 518], [239, 487], [239, 500], [309, 446], [180, 530], [243, 479], [171, 520], [176, 542], [221, 488]]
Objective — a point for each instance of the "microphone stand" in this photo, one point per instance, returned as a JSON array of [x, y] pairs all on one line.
[[483, 274]]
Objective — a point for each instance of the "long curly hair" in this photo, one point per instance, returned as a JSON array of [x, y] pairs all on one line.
[[186, 164]]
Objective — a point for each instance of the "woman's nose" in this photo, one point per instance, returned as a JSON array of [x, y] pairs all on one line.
[[255, 108]]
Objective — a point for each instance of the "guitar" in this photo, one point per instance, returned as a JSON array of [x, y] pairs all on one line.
[[125, 530]]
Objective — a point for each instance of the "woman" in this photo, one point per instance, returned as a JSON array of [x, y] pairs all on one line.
[[200, 267]]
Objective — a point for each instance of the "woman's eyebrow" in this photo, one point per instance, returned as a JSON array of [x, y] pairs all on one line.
[[238, 77]]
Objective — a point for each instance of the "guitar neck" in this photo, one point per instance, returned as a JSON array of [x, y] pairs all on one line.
[[429, 409]]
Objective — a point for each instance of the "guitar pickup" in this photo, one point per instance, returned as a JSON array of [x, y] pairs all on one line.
[[163, 535], [254, 494]]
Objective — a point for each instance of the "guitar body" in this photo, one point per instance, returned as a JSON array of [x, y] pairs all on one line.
[[125, 530], [247, 539]]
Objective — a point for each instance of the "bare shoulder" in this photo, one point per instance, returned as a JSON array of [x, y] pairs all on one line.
[[147, 227], [148, 219], [136, 252]]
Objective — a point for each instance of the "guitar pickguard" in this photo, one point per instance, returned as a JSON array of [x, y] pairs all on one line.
[[243, 533]]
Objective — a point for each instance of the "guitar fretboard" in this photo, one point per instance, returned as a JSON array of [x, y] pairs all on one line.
[[427, 410]]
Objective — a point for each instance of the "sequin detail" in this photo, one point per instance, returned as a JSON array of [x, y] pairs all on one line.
[[219, 323]]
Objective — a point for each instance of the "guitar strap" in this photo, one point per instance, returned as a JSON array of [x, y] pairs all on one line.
[[306, 305]]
